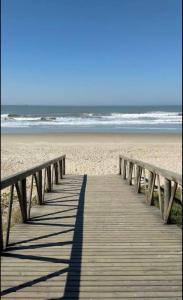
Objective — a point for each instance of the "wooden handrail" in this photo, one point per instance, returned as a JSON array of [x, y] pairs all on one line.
[[135, 170], [154, 169], [44, 175], [9, 180]]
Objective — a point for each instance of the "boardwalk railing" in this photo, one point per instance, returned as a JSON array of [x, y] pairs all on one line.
[[43, 176], [149, 177]]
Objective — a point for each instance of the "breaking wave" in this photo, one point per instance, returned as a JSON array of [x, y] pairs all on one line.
[[91, 119]]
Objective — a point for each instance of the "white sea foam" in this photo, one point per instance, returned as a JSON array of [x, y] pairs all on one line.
[[90, 119], [4, 117]]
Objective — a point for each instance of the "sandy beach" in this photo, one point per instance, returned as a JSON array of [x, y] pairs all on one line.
[[92, 154]]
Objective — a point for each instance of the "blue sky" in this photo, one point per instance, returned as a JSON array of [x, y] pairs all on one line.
[[86, 52]]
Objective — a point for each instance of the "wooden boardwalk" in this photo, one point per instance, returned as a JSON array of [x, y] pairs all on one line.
[[94, 238]]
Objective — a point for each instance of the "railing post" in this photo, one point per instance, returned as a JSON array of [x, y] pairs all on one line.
[[124, 169], [130, 171], [63, 164], [150, 179], [151, 191], [138, 178], [60, 168], [52, 175], [167, 195], [22, 198], [133, 174], [56, 172], [39, 187], [9, 216], [120, 166], [49, 185]]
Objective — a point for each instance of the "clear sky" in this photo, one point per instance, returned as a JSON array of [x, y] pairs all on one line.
[[91, 52]]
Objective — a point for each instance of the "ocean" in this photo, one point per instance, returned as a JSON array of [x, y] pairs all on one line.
[[32, 119]]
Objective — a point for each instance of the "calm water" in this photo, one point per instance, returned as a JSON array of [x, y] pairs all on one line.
[[91, 118]]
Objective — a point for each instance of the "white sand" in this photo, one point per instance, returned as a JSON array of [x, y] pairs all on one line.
[[92, 154]]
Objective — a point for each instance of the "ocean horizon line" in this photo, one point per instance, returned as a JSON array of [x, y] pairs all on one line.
[[96, 105]]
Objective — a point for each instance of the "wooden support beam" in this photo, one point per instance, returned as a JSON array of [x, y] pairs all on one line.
[[40, 186], [150, 178], [144, 179], [151, 190], [22, 198], [124, 168], [30, 197], [52, 175], [138, 178], [63, 166], [167, 195], [9, 215], [130, 172], [135, 175], [56, 172], [38, 179], [167, 213], [120, 160], [159, 196], [60, 168], [49, 185], [44, 184]]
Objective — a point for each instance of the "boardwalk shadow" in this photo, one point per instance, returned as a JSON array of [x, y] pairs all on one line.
[[75, 272], [71, 269]]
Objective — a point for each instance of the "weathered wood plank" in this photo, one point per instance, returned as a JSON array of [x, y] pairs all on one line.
[[101, 243]]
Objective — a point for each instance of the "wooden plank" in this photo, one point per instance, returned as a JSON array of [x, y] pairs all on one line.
[[96, 239]]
